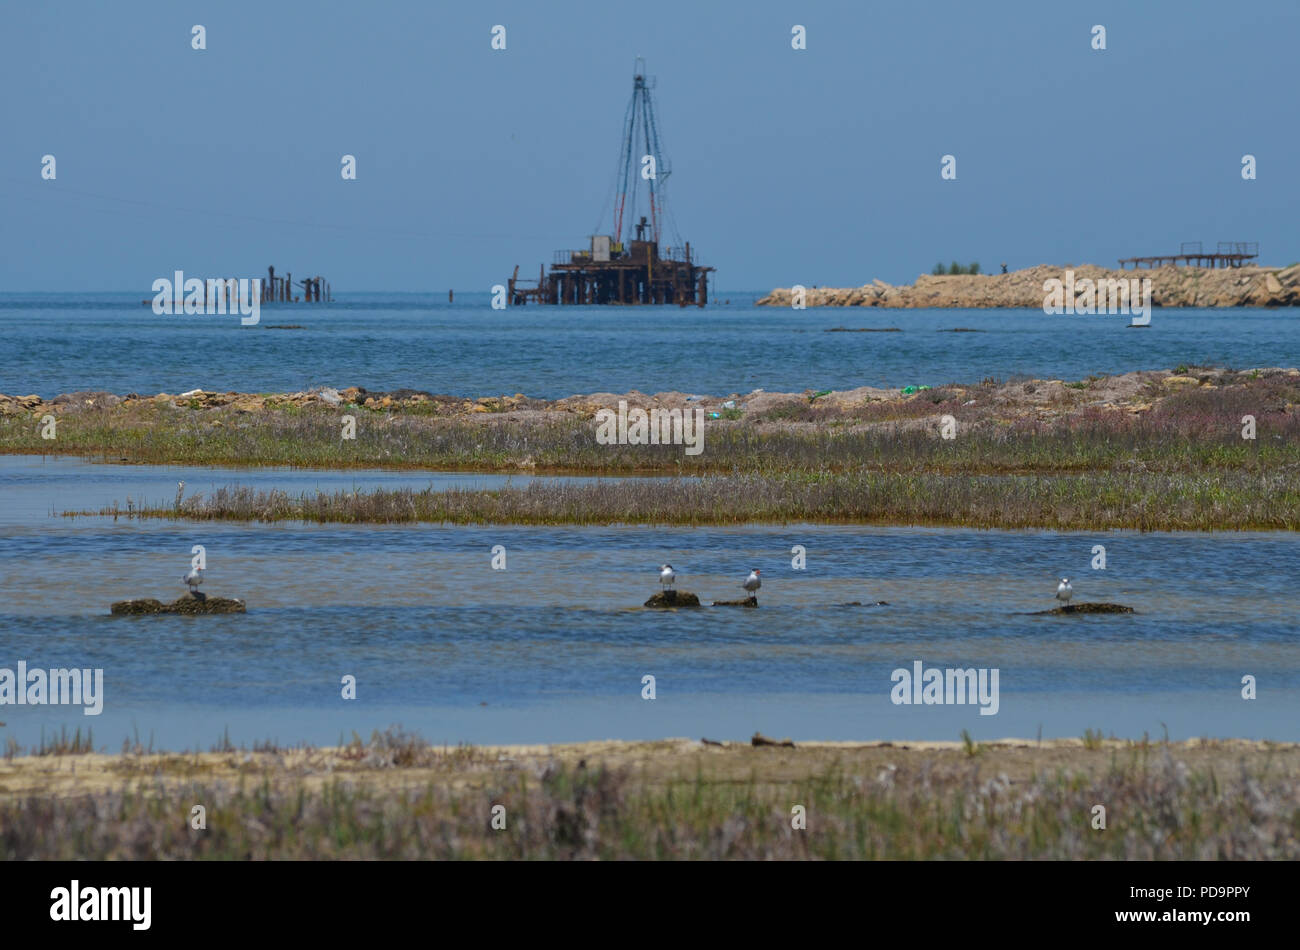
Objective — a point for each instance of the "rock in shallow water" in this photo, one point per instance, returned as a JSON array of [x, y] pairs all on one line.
[[747, 602], [673, 598], [1086, 608], [185, 604]]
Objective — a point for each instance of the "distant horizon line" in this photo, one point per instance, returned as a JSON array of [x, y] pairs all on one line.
[[487, 293]]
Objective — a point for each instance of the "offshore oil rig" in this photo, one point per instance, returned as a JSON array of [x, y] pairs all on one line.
[[631, 265]]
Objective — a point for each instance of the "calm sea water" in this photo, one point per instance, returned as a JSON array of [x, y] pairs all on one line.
[[55, 343], [555, 647]]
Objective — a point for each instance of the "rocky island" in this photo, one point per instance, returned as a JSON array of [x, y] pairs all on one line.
[[1170, 287]]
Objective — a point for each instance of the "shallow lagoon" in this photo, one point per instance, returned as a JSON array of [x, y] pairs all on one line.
[[555, 647]]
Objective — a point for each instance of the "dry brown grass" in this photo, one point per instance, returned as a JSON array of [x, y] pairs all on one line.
[[394, 797]]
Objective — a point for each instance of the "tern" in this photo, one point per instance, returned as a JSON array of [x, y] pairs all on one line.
[[667, 576], [194, 578], [753, 582], [1064, 591]]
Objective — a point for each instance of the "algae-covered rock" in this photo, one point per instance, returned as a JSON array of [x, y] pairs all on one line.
[[143, 605], [747, 602], [208, 605], [186, 604], [1087, 608], [673, 598]]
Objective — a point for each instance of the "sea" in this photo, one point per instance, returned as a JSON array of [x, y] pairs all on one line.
[[526, 634]]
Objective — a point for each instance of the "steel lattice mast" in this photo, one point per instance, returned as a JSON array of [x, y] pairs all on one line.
[[629, 265], [639, 122]]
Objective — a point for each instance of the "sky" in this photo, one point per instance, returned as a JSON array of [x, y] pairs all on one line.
[[815, 166]]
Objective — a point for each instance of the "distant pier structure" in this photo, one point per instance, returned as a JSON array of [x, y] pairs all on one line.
[[274, 289], [630, 265], [282, 289], [1191, 254]]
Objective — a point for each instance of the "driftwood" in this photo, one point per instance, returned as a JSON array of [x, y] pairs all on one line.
[[760, 740]]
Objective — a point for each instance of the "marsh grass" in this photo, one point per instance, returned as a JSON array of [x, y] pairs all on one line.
[[1140, 500], [1180, 465], [65, 743], [1183, 432], [923, 808]]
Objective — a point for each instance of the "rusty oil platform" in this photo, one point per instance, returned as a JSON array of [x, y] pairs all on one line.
[[631, 265]]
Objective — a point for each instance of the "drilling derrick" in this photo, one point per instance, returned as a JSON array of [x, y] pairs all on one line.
[[629, 264]]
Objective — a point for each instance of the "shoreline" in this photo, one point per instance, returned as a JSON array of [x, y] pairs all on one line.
[[1213, 501], [1197, 448], [67, 758], [396, 797], [98, 422], [1171, 287]]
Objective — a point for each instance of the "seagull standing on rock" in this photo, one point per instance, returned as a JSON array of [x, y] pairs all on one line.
[[194, 578], [1064, 591], [753, 583], [667, 576]]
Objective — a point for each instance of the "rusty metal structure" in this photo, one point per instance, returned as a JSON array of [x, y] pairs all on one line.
[[281, 289], [630, 265], [273, 289], [1191, 254]]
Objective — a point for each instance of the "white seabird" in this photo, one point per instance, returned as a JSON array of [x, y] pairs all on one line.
[[1064, 591], [194, 578], [753, 582], [667, 576]]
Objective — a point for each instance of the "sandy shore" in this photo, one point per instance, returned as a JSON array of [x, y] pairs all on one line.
[[655, 762]]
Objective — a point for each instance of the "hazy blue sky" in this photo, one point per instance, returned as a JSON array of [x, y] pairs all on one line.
[[818, 166]]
